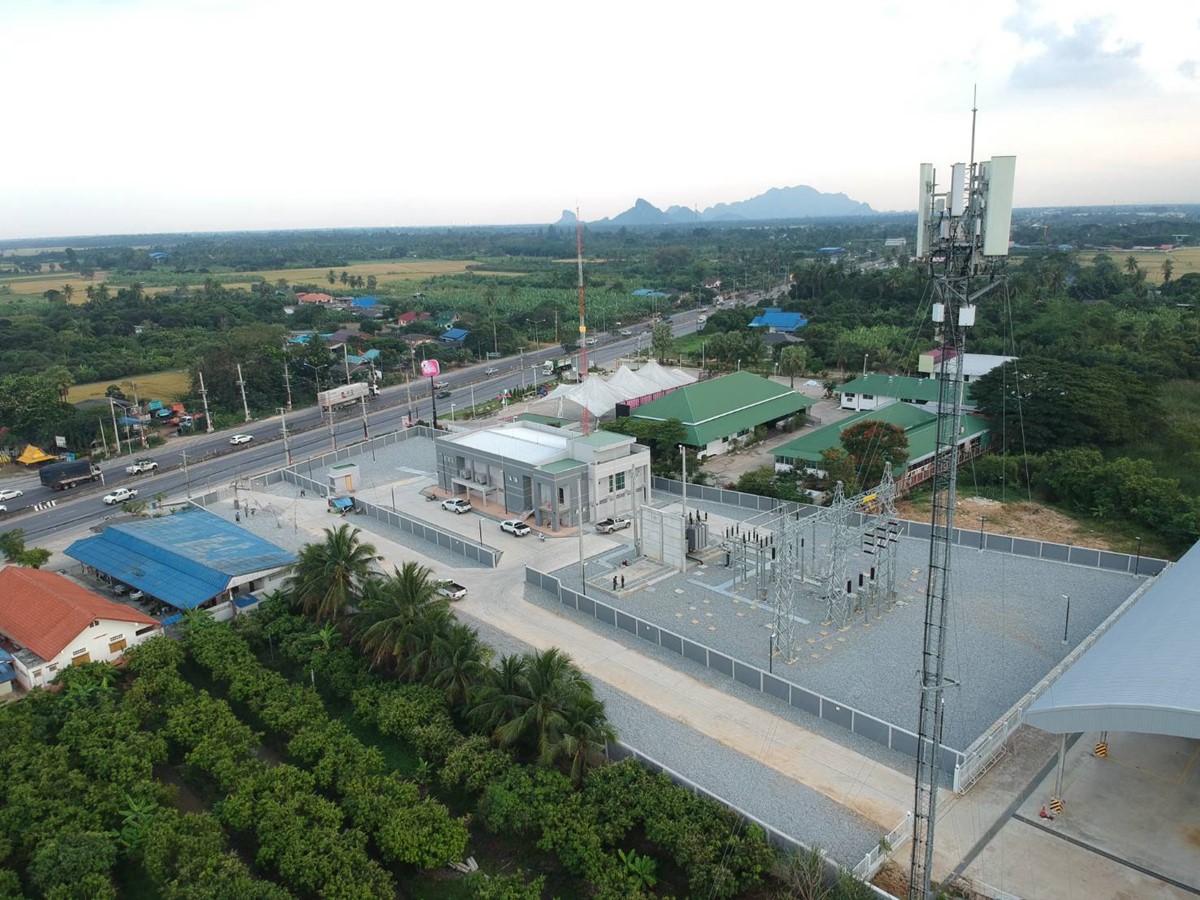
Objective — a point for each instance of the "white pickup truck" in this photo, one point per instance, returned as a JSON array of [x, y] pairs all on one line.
[[120, 495], [608, 526], [452, 589], [141, 467]]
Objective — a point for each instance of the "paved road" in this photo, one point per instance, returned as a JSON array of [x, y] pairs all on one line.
[[208, 460]]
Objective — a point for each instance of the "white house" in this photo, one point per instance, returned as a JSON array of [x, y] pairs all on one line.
[[48, 622]]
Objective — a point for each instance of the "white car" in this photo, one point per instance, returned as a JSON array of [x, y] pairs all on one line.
[[457, 505], [515, 526], [491, 370], [241, 439], [3, 508], [11, 494], [120, 495]]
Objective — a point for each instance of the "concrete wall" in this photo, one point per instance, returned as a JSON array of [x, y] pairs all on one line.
[[94, 641]]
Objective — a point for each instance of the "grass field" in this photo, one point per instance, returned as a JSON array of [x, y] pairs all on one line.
[[1184, 260], [165, 386], [386, 271]]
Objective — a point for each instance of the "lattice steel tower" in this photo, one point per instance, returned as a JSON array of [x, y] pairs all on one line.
[[962, 236]]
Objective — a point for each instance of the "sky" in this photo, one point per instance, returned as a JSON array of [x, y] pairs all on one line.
[[137, 116]]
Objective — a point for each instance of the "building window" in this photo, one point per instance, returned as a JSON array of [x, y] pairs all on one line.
[[36, 674], [620, 476], [83, 658], [868, 396], [562, 497], [52, 668], [117, 645], [145, 630]]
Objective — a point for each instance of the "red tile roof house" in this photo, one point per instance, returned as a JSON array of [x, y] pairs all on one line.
[[48, 622]]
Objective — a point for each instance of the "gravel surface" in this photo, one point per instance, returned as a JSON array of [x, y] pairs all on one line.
[[791, 807], [1004, 631]]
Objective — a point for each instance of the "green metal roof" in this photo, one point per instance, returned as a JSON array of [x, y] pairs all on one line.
[[602, 439], [724, 406], [562, 465], [920, 425], [902, 387], [541, 420]]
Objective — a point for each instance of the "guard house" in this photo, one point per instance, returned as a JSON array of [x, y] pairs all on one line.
[[343, 478], [545, 474]]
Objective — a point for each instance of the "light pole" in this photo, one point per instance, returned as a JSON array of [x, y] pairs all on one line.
[[287, 451], [981, 518], [452, 412], [865, 355], [1138, 562], [1067, 620]]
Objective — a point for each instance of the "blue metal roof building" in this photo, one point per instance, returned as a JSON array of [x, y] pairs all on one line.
[[185, 559], [364, 302], [777, 321], [454, 336]]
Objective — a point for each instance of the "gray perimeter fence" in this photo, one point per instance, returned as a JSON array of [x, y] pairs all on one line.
[[866, 867], [877, 730], [1130, 563], [448, 540]]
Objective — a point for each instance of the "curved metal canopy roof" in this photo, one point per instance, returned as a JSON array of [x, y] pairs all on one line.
[[1143, 674]]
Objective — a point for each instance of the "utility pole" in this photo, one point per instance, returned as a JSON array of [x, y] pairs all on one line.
[[366, 430], [287, 382], [103, 439], [346, 360], [204, 399], [408, 389], [683, 562], [137, 404], [582, 564], [287, 451], [186, 477], [583, 363], [242, 385], [332, 431], [112, 408]]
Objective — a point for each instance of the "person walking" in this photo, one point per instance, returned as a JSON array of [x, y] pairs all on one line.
[[622, 582], [614, 582]]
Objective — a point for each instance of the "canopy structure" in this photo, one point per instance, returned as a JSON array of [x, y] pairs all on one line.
[[1143, 674], [601, 395], [34, 455]]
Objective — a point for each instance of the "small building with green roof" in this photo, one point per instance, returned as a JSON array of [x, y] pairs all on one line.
[[719, 413], [877, 390], [920, 427]]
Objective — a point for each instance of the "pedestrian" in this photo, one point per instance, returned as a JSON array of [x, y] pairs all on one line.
[[614, 582], [622, 582], [237, 517]]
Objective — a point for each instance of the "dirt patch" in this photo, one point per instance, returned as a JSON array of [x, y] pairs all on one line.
[[1020, 519], [892, 878]]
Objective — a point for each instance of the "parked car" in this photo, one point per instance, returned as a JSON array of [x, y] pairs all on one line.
[[457, 505], [120, 495], [608, 526], [452, 590], [442, 395], [515, 526], [11, 494], [241, 439]]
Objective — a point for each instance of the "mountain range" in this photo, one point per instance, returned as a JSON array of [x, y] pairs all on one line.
[[798, 202]]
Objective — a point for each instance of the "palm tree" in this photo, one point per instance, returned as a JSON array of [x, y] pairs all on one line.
[[398, 615], [460, 663], [587, 731], [329, 576], [555, 687], [68, 291], [499, 697]]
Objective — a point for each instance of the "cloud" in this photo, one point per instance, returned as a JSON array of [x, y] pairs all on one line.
[[1189, 69], [1083, 57]]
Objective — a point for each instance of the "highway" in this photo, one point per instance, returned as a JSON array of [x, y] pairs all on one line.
[[198, 462]]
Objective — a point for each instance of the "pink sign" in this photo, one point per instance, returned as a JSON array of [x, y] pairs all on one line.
[[430, 368]]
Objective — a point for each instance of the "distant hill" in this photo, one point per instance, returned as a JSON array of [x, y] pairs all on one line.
[[799, 202]]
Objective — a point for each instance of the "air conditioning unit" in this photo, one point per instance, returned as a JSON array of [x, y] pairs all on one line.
[[481, 479], [464, 473]]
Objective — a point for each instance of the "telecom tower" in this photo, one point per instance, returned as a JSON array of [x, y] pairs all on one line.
[[962, 236]]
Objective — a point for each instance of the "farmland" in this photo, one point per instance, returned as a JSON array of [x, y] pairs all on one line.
[[163, 386], [1183, 261]]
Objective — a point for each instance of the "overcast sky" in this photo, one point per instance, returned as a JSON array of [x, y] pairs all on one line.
[[186, 115]]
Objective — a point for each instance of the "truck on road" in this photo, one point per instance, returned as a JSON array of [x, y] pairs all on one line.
[[345, 394], [452, 590], [65, 475], [562, 366], [141, 467]]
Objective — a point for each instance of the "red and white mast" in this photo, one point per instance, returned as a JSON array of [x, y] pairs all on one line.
[[583, 364]]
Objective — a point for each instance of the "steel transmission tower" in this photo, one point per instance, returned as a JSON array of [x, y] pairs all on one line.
[[962, 236]]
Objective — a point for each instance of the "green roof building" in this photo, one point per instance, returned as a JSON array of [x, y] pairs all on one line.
[[878, 390], [920, 426], [717, 414]]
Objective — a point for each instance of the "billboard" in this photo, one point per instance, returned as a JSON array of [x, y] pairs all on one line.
[[430, 368]]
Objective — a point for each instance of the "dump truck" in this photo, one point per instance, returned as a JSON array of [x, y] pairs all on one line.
[[65, 475], [562, 366], [345, 394]]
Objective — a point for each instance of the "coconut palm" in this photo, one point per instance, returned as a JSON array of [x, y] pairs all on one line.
[[460, 663], [555, 686], [587, 731], [329, 576], [501, 694], [398, 616]]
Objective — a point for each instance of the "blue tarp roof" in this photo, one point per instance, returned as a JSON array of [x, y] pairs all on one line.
[[342, 502], [365, 302], [455, 334], [366, 357], [779, 320], [648, 292], [128, 420], [7, 673], [183, 559]]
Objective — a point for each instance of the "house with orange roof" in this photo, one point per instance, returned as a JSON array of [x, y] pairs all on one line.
[[48, 622]]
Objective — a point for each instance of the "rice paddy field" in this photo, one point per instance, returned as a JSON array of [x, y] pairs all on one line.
[[165, 386], [1183, 261], [388, 273]]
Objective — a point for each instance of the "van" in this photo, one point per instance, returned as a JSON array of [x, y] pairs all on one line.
[[185, 421]]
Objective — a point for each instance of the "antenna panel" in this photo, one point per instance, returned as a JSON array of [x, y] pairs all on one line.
[[958, 183], [997, 205], [924, 208]]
